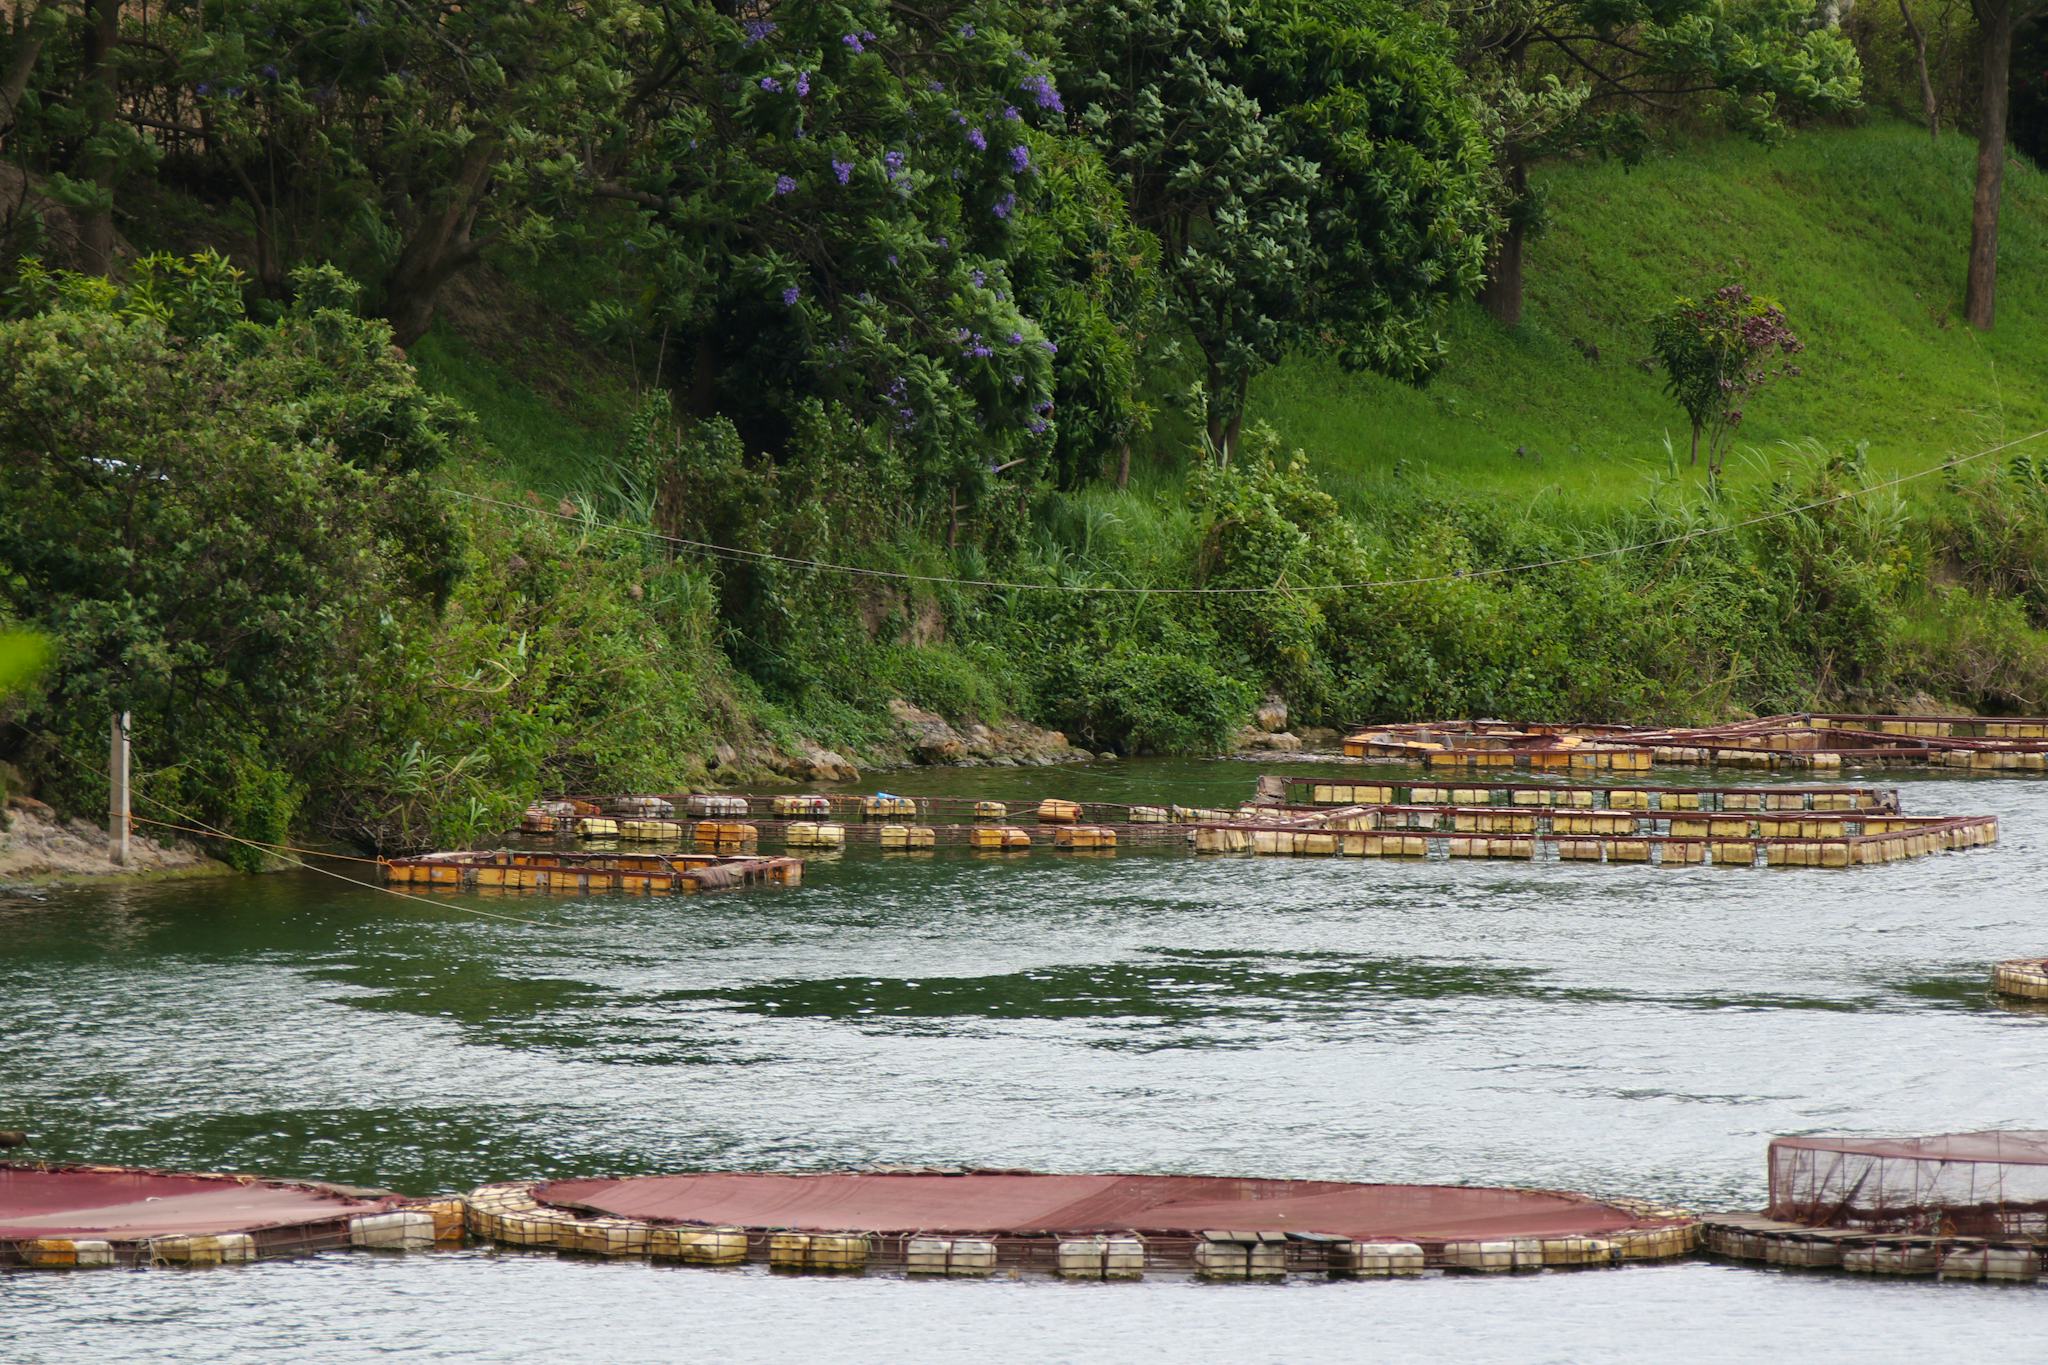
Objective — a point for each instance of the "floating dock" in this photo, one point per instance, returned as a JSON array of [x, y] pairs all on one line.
[[1801, 740], [2023, 978], [680, 874], [86, 1217], [1971, 1206], [1789, 826], [960, 1223]]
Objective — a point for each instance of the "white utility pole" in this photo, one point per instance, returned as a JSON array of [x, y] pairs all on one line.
[[117, 791]]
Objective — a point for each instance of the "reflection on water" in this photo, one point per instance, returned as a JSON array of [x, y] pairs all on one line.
[[1629, 1030]]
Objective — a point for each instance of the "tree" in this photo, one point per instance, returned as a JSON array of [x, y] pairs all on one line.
[[32, 26], [1573, 77], [207, 516], [405, 137], [1996, 21], [829, 203], [1718, 353], [1309, 167]]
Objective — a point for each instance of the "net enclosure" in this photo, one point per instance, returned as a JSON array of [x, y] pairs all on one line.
[[1990, 1184]]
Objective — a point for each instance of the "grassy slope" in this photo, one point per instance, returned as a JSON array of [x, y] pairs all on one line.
[[1862, 234]]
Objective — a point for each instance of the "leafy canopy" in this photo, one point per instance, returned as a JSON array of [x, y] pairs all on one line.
[[1312, 171]]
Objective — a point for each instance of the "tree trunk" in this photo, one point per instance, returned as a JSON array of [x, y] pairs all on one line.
[[1235, 426], [1123, 468], [1920, 65], [440, 245], [29, 35], [1501, 295], [1980, 299], [703, 378], [96, 225], [1217, 390]]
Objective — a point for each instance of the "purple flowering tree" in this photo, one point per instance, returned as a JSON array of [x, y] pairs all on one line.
[[828, 223]]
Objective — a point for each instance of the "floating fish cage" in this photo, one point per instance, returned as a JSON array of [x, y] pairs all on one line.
[[1092, 1227], [1803, 740], [583, 873], [1992, 1184], [87, 1217], [1961, 1206], [1287, 789], [1648, 825], [2023, 978]]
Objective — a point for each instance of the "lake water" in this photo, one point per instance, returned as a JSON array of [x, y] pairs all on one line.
[[1625, 1030]]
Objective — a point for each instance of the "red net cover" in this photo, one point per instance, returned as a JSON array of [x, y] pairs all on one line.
[[1992, 1184], [120, 1204], [1006, 1202]]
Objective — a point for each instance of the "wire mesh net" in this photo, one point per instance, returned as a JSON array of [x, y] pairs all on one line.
[[1959, 1184]]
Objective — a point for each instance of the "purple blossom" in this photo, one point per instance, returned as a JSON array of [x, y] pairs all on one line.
[[1016, 338], [966, 30], [1020, 157], [784, 185], [803, 84], [936, 87], [770, 84], [945, 244], [842, 169], [981, 352], [269, 72], [790, 296], [852, 40], [1040, 88], [980, 142], [980, 278], [1004, 205], [203, 89], [1016, 381], [757, 29], [1050, 348], [893, 160], [893, 260], [1010, 113], [1038, 426]]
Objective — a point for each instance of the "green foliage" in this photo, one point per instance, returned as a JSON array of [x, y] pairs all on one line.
[[23, 657], [832, 198], [202, 520], [1312, 172]]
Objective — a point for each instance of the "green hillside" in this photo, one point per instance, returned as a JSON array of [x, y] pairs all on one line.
[[1861, 233]]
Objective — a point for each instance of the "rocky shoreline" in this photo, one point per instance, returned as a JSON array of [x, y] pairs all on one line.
[[926, 739], [39, 845]]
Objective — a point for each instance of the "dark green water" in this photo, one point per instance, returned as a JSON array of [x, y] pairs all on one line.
[[1622, 1030]]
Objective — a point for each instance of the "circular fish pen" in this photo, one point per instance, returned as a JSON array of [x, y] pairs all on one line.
[[2023, 978], [978, 1223], [81, 1217], [1968, 1206]]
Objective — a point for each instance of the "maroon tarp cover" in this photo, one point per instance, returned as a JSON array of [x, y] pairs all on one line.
[[1005, 1202], [120, 1204]]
